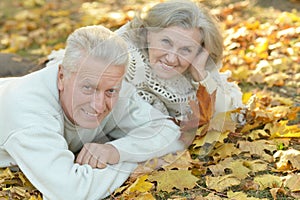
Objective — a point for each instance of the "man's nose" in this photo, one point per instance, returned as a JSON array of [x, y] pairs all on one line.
[[98, 102]]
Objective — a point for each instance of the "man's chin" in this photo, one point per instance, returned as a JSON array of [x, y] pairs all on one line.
[[89, 124]]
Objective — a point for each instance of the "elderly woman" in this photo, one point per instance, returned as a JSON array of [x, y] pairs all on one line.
[[176, 47]]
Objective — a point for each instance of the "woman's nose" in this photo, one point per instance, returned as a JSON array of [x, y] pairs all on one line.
[[172, 57]]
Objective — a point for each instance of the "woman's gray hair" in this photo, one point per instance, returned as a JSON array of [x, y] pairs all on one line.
[[182, 13], [96, 41]]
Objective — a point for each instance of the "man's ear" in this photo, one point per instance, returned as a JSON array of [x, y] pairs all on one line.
[[60, 78]]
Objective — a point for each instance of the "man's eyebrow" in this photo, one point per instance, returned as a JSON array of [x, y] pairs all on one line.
[[117, 86]]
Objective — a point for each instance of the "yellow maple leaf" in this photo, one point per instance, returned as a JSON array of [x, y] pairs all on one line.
[[292, 181], [239, 168], [278, 100], [144, 196], [219, 168], [140, 185], [167, 180], [212, 196], [225, 150], [35, 198], [222, 122], [210, 137], [256, 165], [237, 195], [181, 160], [258, 134], [241, 196], [268, 181], [281, 129], [241, 73], [276, 79], [288, 160], [258, 147], [246, 97], [221, 183]]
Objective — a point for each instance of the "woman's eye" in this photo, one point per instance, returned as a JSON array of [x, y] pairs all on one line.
[[166, 41], [186, 50]]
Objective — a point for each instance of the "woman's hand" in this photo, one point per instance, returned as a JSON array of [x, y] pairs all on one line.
[[98, 155], [197, 68]]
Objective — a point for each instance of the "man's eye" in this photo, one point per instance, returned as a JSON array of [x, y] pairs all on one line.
[[87, 89], [112, 92]]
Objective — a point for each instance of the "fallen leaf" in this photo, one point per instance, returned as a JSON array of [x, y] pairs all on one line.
[[257, 147], [221, 183], [256, 165], [225, 150], [222, 122], [181, 160], [268, 181], [275, 191], [140, 185], [206, 105], [288, 160], [167, 180], [292, 181]]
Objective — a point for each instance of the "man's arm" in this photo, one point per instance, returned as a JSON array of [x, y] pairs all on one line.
[[142, 131], [49, 165]]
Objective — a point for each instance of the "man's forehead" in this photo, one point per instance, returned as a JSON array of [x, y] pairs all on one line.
[[98, 70]]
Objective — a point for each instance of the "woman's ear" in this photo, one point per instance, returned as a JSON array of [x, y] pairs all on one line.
[[60, 78]]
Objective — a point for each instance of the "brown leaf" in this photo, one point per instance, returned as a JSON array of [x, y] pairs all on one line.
[[206, 105], [202, 110]]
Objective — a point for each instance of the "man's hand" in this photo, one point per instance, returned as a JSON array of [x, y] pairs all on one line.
[[98, 155]]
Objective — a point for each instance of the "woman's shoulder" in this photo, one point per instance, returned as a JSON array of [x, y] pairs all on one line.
[[138, 68]]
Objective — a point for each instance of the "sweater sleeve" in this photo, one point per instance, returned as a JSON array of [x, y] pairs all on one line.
[[143, 132], [228, 96], [49, 165]]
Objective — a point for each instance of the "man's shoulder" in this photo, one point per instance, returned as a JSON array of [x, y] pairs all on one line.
[[127, 89]]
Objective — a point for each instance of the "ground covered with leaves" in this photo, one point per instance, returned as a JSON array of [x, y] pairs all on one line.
[[257, 160]]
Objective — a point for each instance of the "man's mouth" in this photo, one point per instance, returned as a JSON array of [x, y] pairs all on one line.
[[90, 114]]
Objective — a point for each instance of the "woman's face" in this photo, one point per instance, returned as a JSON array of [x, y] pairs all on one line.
[[172, 50]]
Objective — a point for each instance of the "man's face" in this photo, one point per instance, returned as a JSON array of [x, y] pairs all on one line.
[[88, 95]]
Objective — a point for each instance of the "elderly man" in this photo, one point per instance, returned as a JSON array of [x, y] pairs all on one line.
[[48, 115]]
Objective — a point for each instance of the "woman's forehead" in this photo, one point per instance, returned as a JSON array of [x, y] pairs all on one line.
[[190, 36]]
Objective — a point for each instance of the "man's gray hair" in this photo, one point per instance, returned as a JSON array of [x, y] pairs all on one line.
[[96, 41]]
